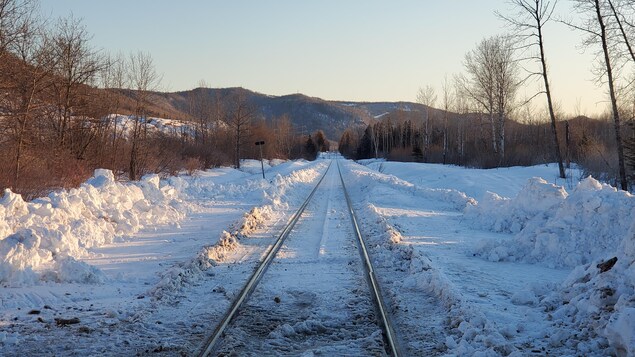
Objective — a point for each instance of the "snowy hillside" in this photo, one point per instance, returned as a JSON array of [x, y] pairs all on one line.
[[125, 125], [490, 262]]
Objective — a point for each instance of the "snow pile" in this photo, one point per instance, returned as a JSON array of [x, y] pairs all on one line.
[[40, 238], [203, 186], [554, 228], [596, 300], [594, 308], [500, 214]]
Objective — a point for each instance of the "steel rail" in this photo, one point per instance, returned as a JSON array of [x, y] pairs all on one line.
[[247, 290], [389, 332]]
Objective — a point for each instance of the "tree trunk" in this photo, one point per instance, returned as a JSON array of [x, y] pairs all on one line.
[[552, 115], [616, 115]]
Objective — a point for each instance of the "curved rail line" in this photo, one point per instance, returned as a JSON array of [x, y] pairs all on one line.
[[385, 323]]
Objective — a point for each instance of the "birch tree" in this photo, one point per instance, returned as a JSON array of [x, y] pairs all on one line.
[[601, 28], [528, 23], [427, 97], [493, 83]]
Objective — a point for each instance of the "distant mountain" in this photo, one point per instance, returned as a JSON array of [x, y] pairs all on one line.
[[307, 114]]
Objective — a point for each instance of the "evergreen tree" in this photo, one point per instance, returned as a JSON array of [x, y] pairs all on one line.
[[310, 149]]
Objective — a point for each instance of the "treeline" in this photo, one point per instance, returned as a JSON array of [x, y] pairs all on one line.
[[56, 94], [495, 127], [401, 136]]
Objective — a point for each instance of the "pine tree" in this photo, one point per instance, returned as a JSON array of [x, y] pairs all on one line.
[[310, 149]]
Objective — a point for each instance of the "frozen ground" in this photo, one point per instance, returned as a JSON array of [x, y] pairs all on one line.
[[473, 262], [519, 274]]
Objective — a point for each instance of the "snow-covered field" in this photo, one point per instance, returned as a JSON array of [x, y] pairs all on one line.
[[473, 262]]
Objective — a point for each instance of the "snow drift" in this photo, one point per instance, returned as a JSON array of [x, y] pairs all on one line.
[[553, 227], [591, 230], [41, 238]]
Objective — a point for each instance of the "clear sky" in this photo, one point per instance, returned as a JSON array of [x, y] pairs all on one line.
[[361, 50]]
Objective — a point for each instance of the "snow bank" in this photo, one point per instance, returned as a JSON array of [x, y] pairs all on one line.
[[553, 227], [41, 238], [596, 300], [501, 214], [594, 308]]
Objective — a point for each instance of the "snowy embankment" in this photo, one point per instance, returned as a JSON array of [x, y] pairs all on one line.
[[589, 229], [554, 227], [43, 239]]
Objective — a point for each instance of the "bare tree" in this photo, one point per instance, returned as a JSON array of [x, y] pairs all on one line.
[[16, 18], [600, 28], [427, 97], [114, 77], [448, 101], [528, 22], [239, 118], [143, 79], [29, 77], [284, 136], [77, 64], [492, 83]]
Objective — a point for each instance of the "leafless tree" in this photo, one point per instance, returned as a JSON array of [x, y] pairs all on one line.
[[77, 65], [448, 104], [528, 23], [284, 136], [29, 75], [239, 118], [143, 79], [114, 77], [493, 83], [601, 28], [427, 97], [16, 18]]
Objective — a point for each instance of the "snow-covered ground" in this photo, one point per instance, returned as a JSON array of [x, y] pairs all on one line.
[[473, 262], [521, 268]]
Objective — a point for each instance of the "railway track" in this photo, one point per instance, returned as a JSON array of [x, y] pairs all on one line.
[[311, 292]]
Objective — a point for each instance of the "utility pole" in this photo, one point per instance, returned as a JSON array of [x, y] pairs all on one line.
[[262, 165]]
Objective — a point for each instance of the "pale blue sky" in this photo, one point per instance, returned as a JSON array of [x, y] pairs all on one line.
[[362, 50]]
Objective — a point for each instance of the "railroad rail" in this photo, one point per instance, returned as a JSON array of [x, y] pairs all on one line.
[[386, 323], [390, 340]]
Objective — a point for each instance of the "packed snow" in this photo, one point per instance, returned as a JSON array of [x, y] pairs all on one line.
[[511, 261]]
